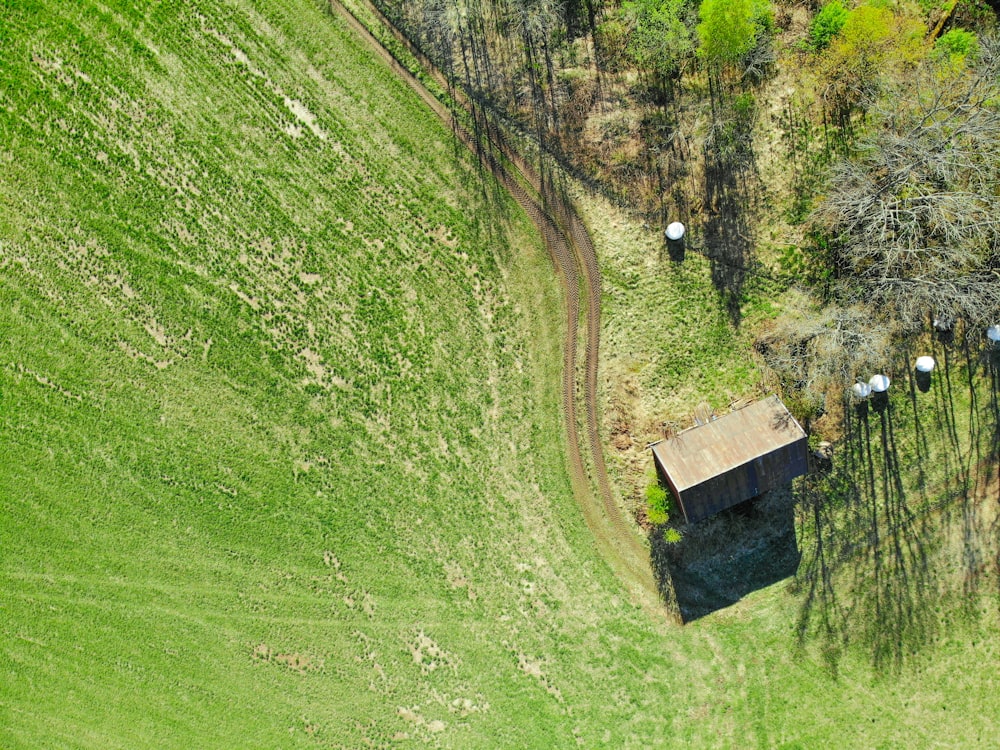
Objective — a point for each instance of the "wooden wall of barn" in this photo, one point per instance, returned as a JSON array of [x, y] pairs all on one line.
[[774, 469]]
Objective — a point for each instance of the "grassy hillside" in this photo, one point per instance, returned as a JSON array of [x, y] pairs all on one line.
[[280, 449]]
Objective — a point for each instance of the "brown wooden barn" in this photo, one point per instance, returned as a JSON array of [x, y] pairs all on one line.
[[732, 458]]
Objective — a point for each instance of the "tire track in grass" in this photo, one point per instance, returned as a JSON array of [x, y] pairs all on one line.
[[632, 551], [575, 258]]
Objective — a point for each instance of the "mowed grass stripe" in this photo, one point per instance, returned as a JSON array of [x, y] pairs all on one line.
[[196, 437]]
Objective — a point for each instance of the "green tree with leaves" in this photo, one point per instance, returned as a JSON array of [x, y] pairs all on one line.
[[731, 29], [873, 45], [660, 40], [827, 24], [956, 46]]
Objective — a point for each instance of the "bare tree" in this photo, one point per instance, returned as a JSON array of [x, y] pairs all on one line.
[[811, 353], [912, 213]]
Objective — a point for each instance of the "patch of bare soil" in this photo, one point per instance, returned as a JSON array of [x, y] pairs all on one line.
[[301, 663]]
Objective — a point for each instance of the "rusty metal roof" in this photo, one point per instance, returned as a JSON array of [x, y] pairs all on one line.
[[700, 453]]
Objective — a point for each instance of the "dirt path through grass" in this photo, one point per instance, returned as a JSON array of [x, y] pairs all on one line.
[[575, 259]]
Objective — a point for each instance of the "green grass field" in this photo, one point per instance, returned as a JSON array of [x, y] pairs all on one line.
[[281, 457]]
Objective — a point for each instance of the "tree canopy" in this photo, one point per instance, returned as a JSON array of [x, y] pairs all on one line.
[[729, 29], [660, 40], [872, 45], [912, 212]]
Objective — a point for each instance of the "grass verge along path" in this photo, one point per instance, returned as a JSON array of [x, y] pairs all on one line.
[[575, 259]]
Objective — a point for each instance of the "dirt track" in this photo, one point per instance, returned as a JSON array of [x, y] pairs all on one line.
[[575, 259]]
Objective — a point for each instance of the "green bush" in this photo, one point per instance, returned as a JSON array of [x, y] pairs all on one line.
[[657, 504], [729, 29], [956, 45], [745, 109], [827, 24], [660, 41], [612, 39]]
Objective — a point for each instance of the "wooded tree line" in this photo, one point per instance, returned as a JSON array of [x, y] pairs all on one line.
[[901, 205], [906, 228], [501, 51], [549, 64]]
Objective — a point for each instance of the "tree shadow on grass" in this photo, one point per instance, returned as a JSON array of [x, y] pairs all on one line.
[[721, 559], [487, 177], [865, 574], [730, 177], [896, 542], [992, 362], [728, 237], [968, 417]]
